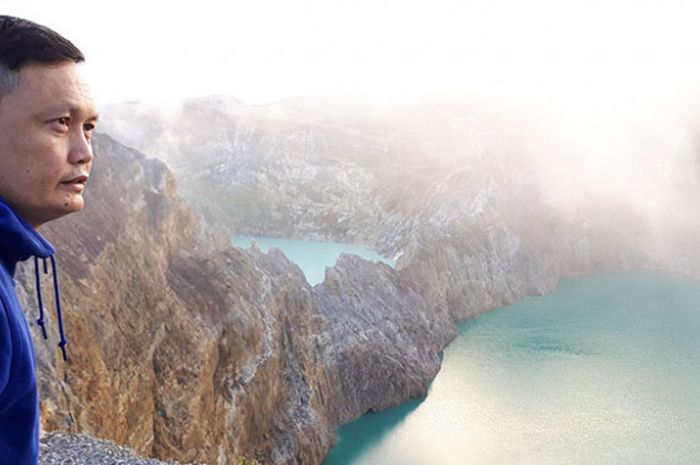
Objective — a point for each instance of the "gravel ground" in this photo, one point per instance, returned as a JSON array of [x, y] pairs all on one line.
[[69, 449]]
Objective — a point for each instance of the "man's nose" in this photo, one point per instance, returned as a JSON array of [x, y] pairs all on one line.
[[80, 150]]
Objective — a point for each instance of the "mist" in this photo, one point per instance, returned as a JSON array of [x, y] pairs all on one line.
[[490, 148]]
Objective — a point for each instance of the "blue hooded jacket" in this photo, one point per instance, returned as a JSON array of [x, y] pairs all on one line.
[[19, 400]]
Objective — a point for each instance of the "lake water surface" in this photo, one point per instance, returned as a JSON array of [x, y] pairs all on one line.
[[312, 256], [604, 371]]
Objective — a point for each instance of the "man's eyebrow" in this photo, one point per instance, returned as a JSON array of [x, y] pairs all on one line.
[[73, 109], [92, 114]]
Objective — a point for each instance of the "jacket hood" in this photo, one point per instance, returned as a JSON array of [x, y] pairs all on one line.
[[18, 240]]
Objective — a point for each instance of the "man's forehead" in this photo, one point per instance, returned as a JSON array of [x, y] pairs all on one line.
[[58, 87]]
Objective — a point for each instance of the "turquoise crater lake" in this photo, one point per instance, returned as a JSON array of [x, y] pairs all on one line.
[[604, 371], [311, 256]]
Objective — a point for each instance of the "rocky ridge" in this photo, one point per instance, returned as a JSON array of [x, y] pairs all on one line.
[[401, 180], [241, 355], [186, 348]]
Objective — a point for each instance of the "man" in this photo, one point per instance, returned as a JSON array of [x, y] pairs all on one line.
[[46, 120]]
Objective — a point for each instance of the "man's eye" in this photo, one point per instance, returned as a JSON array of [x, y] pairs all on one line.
[[88, 130], [63, 121]]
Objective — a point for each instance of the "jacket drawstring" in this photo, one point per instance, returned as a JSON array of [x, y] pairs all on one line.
[[59, 314], [41, 320]]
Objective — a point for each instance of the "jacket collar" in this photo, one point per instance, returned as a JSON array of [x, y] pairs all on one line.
[[18, 240]]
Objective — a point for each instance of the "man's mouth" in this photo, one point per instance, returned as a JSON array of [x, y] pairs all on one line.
[[82, 179], [76, 184]]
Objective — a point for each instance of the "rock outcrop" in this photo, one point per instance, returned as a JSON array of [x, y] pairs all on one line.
[[380, 339], [186, 348]]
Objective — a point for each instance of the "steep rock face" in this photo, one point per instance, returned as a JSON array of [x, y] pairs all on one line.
[[502, 241], [294, 169], [461, 209], [397, 180], [186, 348], [380, 339], [175, 339]]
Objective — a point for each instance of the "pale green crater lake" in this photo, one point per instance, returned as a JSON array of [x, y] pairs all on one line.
[[605, 370], [312, 256]]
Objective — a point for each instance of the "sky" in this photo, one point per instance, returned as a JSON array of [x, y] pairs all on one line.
[[382, 50]]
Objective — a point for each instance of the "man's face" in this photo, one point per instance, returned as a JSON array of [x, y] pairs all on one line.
[[45, 151]]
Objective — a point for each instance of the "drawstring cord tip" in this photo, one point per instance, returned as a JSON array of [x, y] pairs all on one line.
[[42, 323], [59, 314], [63, 345]]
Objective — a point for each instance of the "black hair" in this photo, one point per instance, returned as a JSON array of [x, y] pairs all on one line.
[[22, 42]]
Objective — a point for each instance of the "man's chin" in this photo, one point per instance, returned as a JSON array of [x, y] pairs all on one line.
[[75, 205], [67, 207]]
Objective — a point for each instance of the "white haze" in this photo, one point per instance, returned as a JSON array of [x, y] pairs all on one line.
[[383, 50], [605, 91]]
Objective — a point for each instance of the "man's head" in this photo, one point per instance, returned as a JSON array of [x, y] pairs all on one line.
[[46, 120]]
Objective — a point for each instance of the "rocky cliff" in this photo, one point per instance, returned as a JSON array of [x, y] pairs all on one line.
[[405, 179], [186, 348], [458, 196], [380, 338]]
